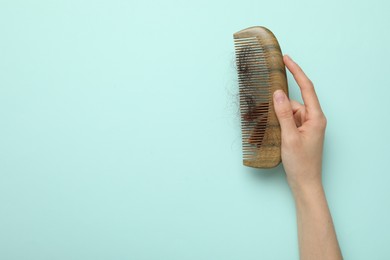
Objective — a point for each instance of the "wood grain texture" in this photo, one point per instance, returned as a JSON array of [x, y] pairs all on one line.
[[261, 72]]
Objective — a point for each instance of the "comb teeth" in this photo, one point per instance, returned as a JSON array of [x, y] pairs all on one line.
[[254, 91]]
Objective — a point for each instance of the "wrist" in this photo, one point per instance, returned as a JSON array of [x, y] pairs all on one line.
[[305, 191]]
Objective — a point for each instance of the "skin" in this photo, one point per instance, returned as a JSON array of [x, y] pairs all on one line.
[[303, 129]]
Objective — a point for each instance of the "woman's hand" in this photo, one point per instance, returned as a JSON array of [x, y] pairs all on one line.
[[303, 129]]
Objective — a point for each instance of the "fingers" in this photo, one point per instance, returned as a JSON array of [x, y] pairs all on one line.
[[298, 112], [307, 89], [296, 105], [284, 113]]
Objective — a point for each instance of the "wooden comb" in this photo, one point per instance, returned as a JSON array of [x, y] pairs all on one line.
[[260, 71]]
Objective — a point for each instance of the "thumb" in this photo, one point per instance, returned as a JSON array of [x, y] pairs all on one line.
[[284, 112]]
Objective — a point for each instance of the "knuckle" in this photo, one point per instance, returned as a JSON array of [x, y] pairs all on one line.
[[309, 84], [321, 122], [285, 114], [324, 121]]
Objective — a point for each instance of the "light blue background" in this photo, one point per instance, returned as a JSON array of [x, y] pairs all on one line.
[[120, 137]]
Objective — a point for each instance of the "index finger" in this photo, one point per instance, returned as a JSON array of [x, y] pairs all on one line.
[[307, 89]]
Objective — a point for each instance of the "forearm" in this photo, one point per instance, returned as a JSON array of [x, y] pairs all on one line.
[[316, 233]]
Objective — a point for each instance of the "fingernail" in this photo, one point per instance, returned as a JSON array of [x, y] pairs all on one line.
[[288, 57], [279, 96]]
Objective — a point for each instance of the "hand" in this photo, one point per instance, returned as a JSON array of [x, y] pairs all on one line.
[[303, 130]]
